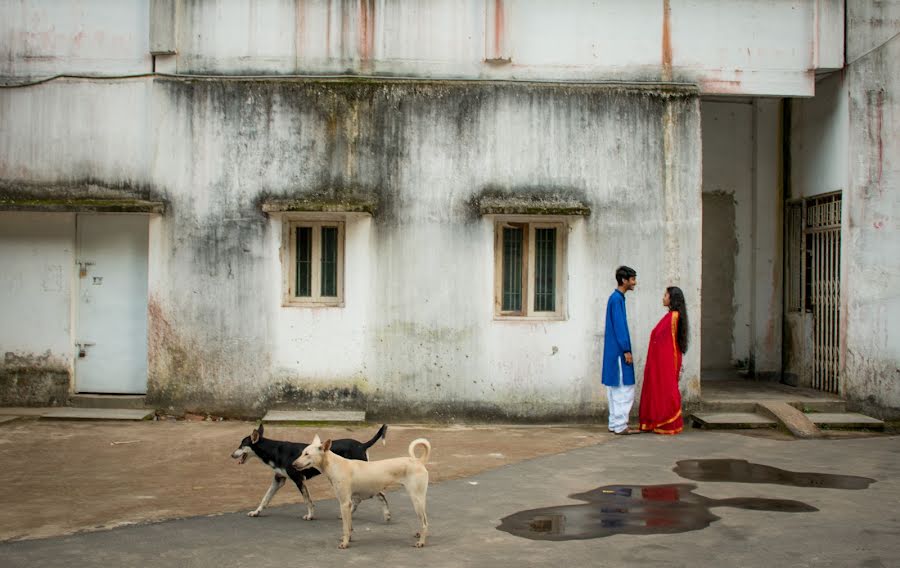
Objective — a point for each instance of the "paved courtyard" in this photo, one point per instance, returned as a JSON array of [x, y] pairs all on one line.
[[84, 478]]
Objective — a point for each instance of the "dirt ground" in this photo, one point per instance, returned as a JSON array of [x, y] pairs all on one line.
[[62, 477]]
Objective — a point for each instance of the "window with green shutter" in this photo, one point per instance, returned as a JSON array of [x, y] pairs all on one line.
[[528, 267], [314, 259]]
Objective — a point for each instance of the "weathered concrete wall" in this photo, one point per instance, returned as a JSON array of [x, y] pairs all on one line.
[[764, 47], [77, 138], [39, 38], [871, 273], [819, 133], [38, 252], [742, 237], [846, 140], [753, 47], [417, 334]]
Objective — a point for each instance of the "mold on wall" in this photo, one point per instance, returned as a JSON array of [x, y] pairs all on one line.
[[417, 329]]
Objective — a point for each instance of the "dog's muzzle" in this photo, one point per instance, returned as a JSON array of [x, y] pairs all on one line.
[[240, 456]]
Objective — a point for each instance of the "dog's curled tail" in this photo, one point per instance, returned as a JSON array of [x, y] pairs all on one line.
[[420, 442], [382, 433]]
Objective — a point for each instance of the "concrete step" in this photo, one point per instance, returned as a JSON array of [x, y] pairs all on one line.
[[23, 410], [728, 406], [845, 420], [5, 419], [732, 420], [107, 401], [823, 405], [69, 413], [315, 416], [750, 405]]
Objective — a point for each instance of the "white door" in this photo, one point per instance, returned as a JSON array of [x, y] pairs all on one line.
[[111, 318]]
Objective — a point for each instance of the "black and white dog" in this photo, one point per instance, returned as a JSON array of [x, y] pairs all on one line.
[[280, 455]]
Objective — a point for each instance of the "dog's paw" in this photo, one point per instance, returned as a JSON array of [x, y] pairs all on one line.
[[387, 518], [308, 517], [420, 545], [344, 545], [253, 513]]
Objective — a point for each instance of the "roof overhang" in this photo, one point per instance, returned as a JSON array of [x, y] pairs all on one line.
[[532, 205], [81, 205], [314, 204]]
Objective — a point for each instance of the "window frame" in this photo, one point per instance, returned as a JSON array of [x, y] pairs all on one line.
[[290, 224], [528, 273]]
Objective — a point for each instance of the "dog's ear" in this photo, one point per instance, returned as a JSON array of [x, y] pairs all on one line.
[[316, 441], [256, 435], [327, 445]]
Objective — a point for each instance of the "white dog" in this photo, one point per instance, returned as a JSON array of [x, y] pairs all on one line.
[[355, 480]]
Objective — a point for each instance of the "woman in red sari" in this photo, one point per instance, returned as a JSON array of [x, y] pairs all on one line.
[[660, 409]]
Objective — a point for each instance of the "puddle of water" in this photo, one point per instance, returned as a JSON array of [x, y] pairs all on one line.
[[633, 509], [742, 471]]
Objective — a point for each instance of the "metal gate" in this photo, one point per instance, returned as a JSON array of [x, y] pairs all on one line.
[[823, 288]]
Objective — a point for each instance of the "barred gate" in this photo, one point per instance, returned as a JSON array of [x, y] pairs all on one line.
[[813, 267], [823, 245]]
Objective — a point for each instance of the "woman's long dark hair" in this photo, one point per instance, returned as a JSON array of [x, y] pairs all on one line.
[[676, 304]]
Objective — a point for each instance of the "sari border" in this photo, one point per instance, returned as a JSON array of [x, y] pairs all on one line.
[[657, 426]]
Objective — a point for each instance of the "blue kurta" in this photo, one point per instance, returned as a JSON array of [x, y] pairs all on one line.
[[616, 342]]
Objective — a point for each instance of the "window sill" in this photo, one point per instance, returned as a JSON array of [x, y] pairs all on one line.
[[536, 318], [312, 304]]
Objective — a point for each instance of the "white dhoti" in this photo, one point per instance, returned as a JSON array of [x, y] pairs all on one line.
[[621, 399]]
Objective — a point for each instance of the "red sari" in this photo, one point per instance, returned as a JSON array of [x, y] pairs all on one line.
[[660, 409]]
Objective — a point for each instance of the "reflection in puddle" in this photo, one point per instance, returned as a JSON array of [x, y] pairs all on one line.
[[633, 509], [548, 524], [742, 471]]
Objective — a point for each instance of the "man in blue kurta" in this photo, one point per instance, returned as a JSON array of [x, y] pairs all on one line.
[[618, 364]]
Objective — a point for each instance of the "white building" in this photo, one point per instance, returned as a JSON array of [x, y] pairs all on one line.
[[417, 208]]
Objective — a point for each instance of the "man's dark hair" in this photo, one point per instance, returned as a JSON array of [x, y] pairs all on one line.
[[624, 273]]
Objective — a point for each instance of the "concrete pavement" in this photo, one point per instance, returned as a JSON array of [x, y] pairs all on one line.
[[851, 527]]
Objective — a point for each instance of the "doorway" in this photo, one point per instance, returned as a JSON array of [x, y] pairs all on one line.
[[111, 306], [813, 289]]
